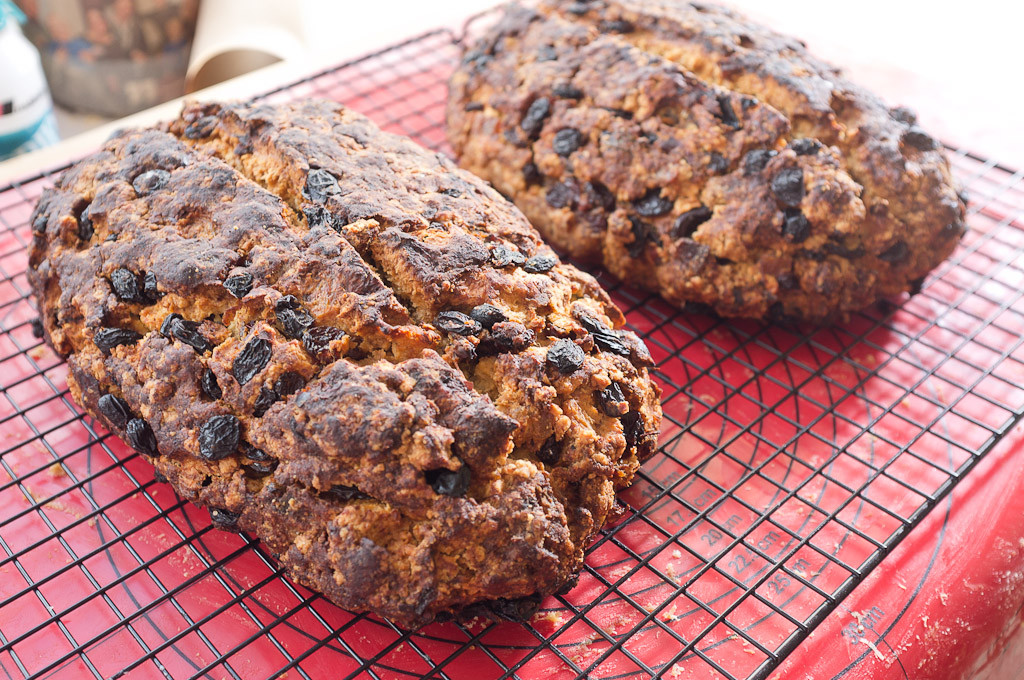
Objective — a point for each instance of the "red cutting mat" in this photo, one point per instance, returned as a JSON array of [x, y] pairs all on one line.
[[792, 461]]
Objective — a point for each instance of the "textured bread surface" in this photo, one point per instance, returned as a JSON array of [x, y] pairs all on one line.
[[283, 309], [703, 156]]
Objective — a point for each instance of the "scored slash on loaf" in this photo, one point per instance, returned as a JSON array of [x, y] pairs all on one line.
[[702, 156], [343, 344]]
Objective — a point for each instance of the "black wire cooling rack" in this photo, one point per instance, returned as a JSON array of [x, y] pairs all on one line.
[[792, 461]]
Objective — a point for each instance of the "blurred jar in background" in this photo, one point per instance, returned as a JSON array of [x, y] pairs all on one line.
[[112, 57], [26, 117]]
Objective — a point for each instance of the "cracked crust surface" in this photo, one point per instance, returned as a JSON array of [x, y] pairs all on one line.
[[343, 344], [703, 156]]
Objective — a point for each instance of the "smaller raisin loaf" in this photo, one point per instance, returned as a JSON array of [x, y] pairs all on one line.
[[343, 344], [705, 157]]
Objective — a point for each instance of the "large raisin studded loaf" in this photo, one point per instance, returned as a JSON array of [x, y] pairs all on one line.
[[704, 157], [343, 344]]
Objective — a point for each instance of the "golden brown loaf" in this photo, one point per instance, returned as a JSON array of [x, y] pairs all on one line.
[[703, 156], [340, 342]]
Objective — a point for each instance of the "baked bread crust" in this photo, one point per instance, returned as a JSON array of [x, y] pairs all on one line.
[[345, 345], [705, 157]]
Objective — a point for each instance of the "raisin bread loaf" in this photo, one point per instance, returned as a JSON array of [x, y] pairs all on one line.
[[343, 344], [702, 156]]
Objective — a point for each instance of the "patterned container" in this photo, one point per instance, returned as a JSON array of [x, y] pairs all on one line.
[[112, 57]]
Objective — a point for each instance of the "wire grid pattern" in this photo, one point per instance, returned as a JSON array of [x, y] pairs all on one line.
[[792, 460]]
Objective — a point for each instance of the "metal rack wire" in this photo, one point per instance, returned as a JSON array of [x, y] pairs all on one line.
[[792, 461]]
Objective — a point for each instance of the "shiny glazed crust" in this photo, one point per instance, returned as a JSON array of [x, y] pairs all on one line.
[[703, 156], [327, 385]]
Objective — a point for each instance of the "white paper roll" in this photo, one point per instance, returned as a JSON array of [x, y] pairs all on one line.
[[238, 36]]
